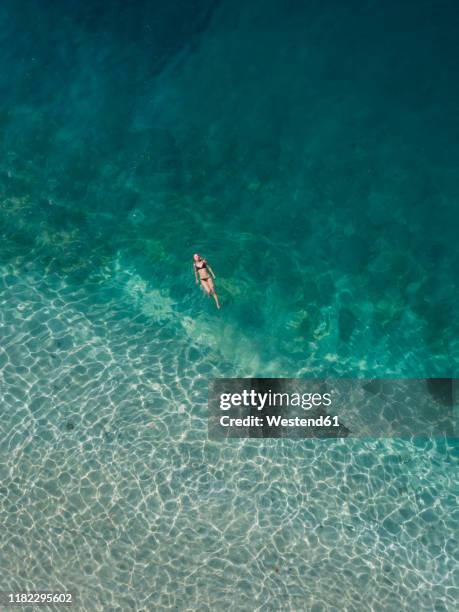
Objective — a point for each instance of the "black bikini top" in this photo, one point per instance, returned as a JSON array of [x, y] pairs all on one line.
[[202, 266]]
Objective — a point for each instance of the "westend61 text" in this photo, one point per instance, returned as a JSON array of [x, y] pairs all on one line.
[[278, 421]]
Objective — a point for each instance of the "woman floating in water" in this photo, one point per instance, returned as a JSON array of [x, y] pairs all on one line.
[[203, 272]]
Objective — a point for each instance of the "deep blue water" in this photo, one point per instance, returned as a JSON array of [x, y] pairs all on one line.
[[310, 151]]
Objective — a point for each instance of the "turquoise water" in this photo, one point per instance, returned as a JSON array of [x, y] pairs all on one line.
[[310, 151]]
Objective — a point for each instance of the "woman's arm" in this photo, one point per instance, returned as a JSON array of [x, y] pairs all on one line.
[[210, 270], [195, 274]]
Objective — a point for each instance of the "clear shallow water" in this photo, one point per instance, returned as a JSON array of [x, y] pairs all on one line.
[[310, 152]]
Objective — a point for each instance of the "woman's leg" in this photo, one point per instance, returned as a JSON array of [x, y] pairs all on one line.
[[205, 286], [213, 292]]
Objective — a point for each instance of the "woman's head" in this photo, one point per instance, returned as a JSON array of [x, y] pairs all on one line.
[[197, 257]]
